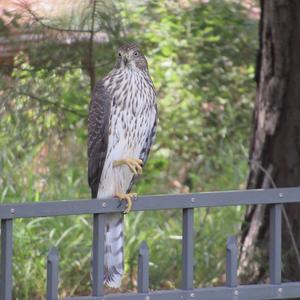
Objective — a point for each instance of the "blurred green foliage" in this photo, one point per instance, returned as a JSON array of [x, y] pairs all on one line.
[[201, 58]]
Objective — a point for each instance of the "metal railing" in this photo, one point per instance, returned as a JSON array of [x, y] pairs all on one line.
[[187, 202]]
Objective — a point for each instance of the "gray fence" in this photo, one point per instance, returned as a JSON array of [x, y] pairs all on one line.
[[187, 202]]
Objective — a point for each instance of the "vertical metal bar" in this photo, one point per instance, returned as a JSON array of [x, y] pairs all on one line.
[[231, 262], [275, 244], [143, 268], [52, 274], [187, 248], [6, 259], [98, 254]]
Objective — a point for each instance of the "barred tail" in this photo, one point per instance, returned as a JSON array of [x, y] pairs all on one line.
[[114, 251]]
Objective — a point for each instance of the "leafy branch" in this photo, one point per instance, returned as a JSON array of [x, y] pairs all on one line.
[[56, 105]]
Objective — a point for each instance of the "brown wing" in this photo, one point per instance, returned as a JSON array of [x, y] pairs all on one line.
[[98, 127]]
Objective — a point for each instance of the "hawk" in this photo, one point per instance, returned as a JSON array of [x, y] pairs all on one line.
[[121, 130]]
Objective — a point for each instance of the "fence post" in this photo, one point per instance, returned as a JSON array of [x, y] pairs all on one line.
[[52, 274], [231, 262], [187, 248], [98, 254], [6, 259], [143, 268], [275, 243]]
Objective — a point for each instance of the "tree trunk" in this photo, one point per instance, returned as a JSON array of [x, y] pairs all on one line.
[[91, 60], [275, 144]]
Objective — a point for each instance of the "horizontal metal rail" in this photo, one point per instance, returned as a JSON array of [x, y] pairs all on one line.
[[244, 292], [157, 202]]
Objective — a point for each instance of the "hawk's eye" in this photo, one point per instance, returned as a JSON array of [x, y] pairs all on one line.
[[135, 53], [119, 54]]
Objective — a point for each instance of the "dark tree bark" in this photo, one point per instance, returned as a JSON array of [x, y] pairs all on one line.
[[275, 144]]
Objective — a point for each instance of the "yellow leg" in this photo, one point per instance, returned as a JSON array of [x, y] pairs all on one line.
[[134, 164], [128, 199]]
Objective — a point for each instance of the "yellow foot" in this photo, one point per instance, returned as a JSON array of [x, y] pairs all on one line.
[[128, 199], [134, 164]]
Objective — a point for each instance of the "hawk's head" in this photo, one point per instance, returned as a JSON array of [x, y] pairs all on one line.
[[130, 56]]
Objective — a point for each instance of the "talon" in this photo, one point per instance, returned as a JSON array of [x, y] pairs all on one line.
[[134, 164], [128, 199]]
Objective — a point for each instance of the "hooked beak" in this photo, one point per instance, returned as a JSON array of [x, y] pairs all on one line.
[[125, 60]]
